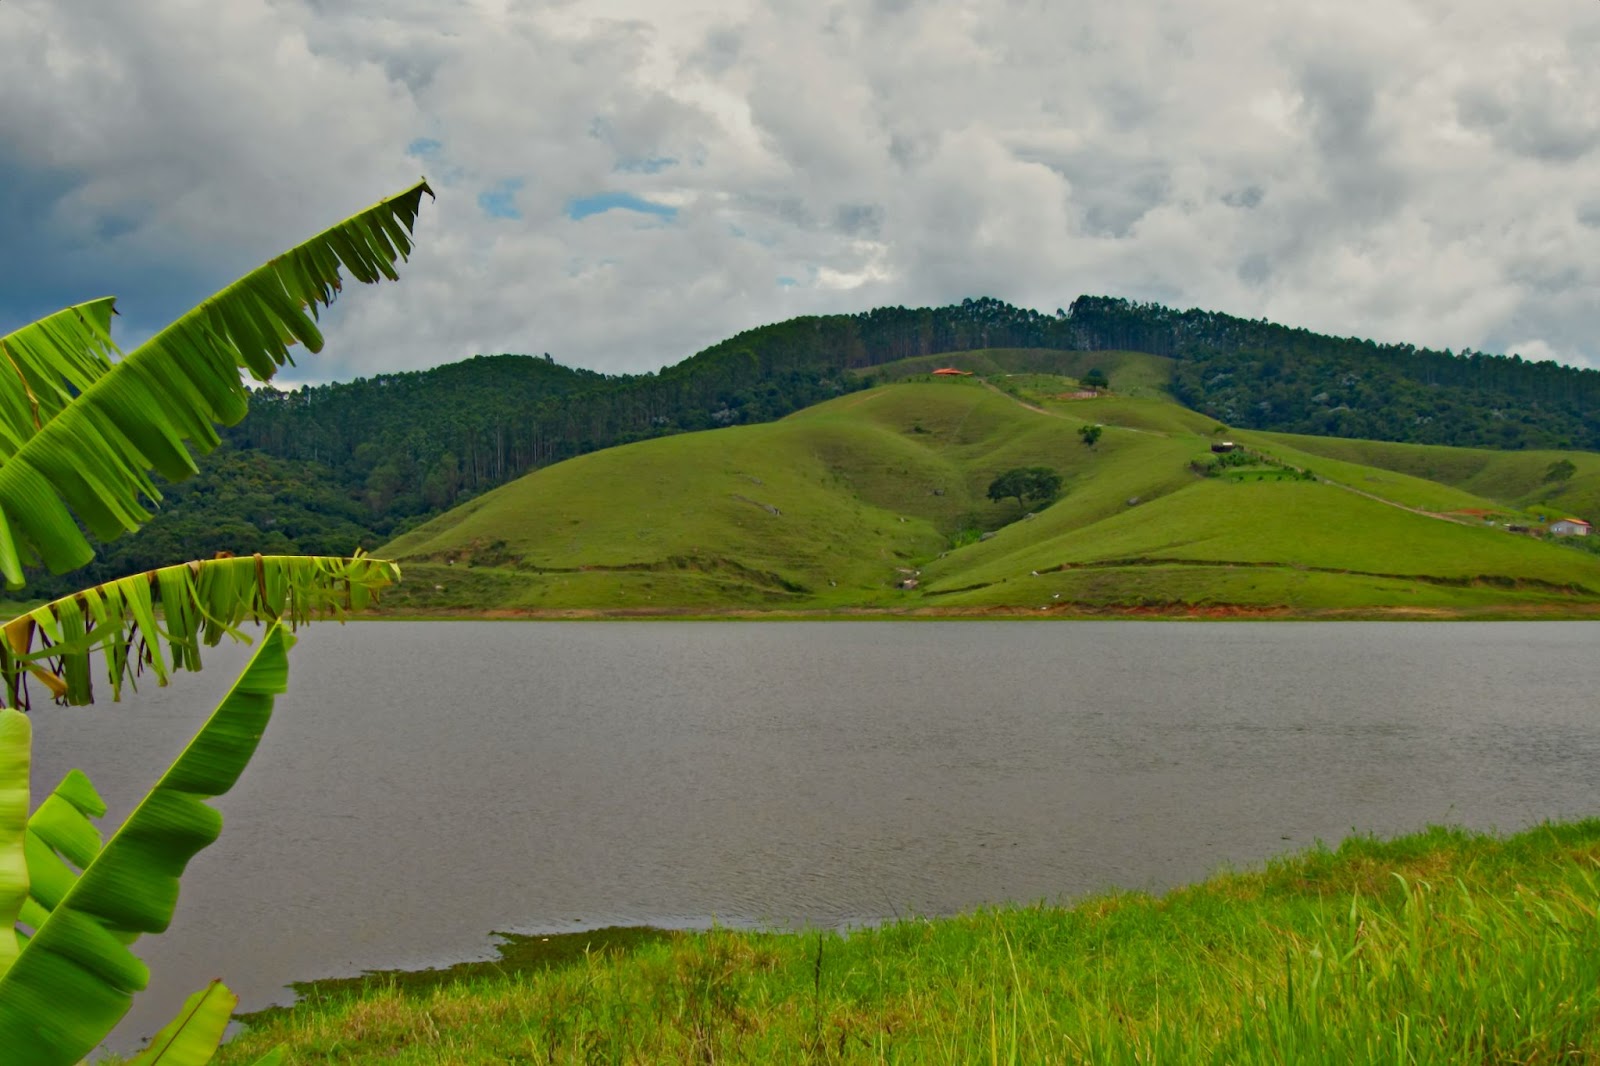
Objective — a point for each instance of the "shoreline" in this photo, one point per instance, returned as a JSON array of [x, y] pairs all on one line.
[[1540, 612], [1423, 942]]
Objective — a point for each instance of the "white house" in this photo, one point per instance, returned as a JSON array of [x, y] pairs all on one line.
[[1569, 527]]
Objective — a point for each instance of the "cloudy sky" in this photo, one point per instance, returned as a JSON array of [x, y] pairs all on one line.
[[623, 182]]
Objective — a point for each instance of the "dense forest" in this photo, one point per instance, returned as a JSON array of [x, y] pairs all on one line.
[[326, 468]]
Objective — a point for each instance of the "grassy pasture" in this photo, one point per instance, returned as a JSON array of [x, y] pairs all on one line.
[[1512, 479], [1297, 525], [833, 506]]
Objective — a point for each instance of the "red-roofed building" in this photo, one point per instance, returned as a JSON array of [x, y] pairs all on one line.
[[1569, 527], [950, 371]]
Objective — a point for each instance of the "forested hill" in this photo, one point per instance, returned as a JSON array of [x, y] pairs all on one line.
[[382, 453], [424, 438]]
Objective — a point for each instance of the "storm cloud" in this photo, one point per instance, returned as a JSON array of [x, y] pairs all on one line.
[[623, 182]]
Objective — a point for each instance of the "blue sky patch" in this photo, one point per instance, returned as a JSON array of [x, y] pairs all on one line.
[[652, 165], [584, 206], [500, 201], [425, 148]]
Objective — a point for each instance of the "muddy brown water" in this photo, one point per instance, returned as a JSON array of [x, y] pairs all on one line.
[[424, 784]]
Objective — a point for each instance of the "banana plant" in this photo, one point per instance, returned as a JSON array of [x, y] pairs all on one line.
[[80, 430], [83, 430], [72, 975]]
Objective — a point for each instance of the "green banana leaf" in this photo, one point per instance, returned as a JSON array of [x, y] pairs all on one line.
[[75, 977], [192, 1037], [61, 840], [16, 745], [185, 605], [79, 434], [51, 361]]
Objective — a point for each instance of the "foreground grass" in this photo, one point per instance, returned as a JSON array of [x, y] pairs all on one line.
[[1439, 947]]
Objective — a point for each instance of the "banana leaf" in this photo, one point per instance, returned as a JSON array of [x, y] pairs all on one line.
[[61, 840], [183, 606], [51, 361], [192, 1037], [16, 745], [79, 434], [75, 977]]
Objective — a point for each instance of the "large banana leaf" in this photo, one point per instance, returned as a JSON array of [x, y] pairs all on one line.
[[75, 977], [198, 602], [114, 422]]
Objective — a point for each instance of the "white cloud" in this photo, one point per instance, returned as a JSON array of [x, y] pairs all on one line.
[[1415, 171]]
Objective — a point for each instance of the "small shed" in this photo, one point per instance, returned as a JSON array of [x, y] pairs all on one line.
[[1223, 446], [950, 371], [1569, 527]]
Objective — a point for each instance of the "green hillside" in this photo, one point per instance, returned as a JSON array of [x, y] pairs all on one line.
[[1523, 479], [833, 507]]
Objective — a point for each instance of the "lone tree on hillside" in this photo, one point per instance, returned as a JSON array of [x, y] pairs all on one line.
[[1560, 470], [1025, 484], [1096, 379], [1090, 434]]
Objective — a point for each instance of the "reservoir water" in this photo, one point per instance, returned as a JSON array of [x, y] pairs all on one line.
[[424, 784]]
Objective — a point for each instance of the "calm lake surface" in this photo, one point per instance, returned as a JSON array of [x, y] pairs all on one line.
[[424, 784]]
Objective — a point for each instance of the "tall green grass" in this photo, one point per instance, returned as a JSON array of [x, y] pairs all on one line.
[[1442, 947]]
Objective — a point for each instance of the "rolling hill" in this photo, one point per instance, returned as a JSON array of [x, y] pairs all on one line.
[[333, 467], [835, 506]]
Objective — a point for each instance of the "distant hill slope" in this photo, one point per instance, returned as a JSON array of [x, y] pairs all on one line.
[[834, 506], [363, 461], [1535, 481]]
